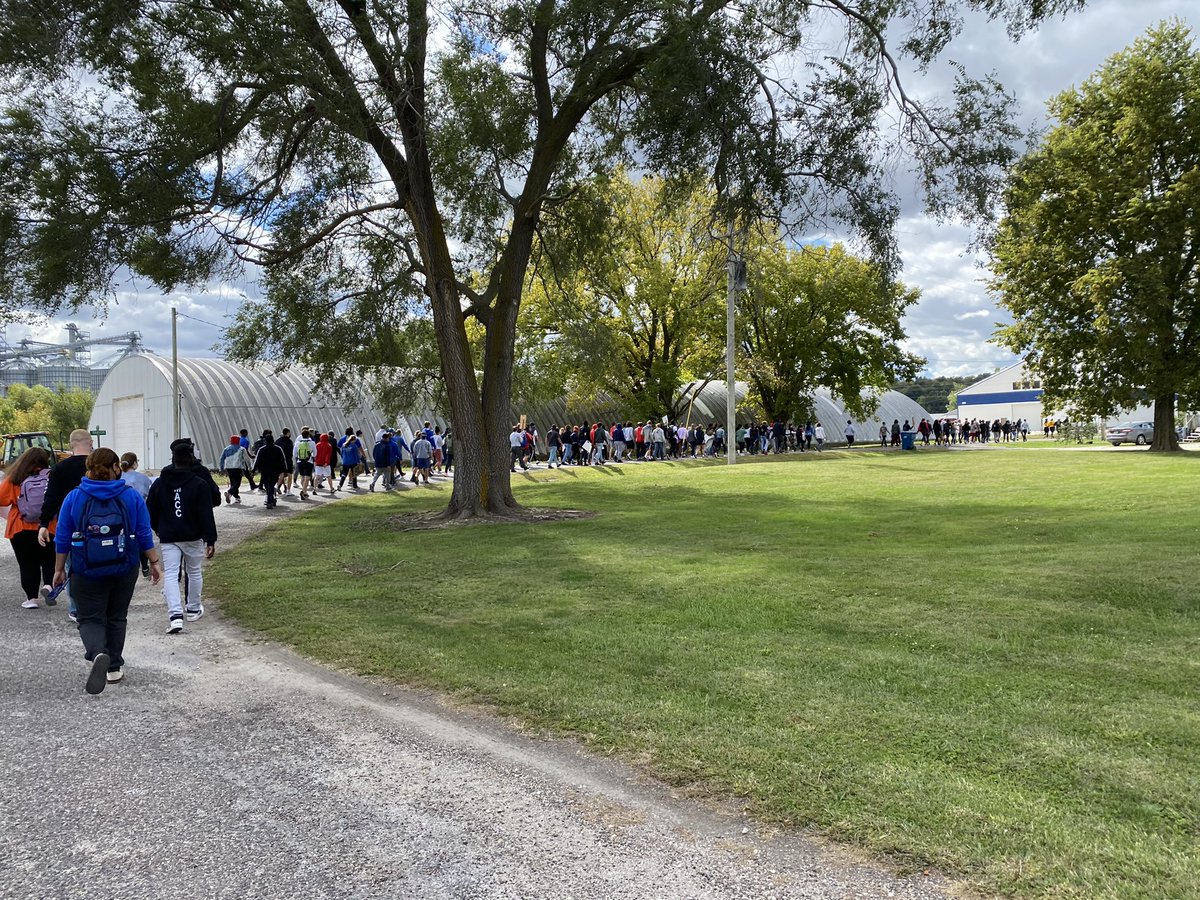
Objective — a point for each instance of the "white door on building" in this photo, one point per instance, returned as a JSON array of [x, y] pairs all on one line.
[[147, 461], [129, 426]]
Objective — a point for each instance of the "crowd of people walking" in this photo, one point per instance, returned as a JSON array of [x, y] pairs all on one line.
[[86, 524], [310, 463]]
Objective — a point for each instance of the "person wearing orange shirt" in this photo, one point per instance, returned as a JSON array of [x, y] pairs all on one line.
[[23, 491]]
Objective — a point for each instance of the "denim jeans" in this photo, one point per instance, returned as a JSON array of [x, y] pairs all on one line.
[[103, 610]]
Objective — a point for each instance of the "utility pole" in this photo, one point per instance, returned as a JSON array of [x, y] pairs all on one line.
[[736, 281], [175, 371]]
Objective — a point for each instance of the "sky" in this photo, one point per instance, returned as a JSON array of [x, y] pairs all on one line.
[[955, 318]]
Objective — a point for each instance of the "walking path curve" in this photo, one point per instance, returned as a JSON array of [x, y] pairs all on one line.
[[224, 766]]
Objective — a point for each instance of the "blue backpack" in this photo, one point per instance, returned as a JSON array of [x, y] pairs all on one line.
[[99, 542]]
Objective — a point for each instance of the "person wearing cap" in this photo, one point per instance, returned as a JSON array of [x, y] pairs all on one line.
[[183, 519], [244, 440], [234, 461], [197, 468]]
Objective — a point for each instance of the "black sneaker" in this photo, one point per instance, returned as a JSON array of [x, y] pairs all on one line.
[[98, 677]]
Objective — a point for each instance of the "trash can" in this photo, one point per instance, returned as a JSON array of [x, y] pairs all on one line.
[[908, 440]]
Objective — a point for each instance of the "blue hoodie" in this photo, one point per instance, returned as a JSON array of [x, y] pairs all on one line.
[[135, 506]]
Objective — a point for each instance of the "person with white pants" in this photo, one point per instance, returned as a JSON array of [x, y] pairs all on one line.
[[181, 513]]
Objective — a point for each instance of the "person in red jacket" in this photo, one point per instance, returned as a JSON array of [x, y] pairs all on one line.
[[322, 465]]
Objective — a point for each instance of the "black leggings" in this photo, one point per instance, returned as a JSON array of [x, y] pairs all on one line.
[[36, 562]]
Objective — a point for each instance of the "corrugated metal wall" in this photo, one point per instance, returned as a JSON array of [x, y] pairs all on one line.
[[218, 398]]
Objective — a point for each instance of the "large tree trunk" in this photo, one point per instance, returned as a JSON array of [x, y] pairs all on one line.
[[498, 361], [481, 485], [1165, 438]]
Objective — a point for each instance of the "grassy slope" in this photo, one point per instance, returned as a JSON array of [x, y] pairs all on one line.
[[987, 661]]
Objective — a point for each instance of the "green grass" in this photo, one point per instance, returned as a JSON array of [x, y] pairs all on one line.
[[984, 661]]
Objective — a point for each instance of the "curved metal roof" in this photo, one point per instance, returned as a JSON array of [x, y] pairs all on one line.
[[219, 397]]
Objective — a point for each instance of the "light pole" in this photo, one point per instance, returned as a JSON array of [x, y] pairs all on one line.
[[175, 371], [735, 281]]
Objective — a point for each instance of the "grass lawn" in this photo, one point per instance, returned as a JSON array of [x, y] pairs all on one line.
[[985, 661]]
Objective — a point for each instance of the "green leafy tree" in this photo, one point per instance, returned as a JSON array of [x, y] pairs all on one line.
[[642, 310], [33, 418], [24, 398], [69, 409], [390, 161], [821, 317], [38, 408], [936, 394], [1098, 254]]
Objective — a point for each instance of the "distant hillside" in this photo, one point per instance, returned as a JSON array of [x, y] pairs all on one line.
[[931, 393]]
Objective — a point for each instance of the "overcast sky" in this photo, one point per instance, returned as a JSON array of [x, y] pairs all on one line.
[[955, 318]]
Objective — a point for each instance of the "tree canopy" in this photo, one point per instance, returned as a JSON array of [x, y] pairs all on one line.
[[639, 312], [38, 408], [1098, 254], [820, 317], [386, 162]]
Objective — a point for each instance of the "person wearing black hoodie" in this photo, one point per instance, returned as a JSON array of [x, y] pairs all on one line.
[[285, 443], [197, 468], [269, 464], [65, 476], [181, 512]]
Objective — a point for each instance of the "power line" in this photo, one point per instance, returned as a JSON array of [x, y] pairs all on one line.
[[201, 321]]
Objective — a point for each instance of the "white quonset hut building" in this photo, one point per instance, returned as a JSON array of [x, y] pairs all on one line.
[[709, 406], [218, 398]]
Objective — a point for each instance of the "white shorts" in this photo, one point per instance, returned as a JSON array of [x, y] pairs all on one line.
[[322, 471]]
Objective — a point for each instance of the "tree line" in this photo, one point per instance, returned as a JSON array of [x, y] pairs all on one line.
[[415, 180], [38, 408], [938, 394], [393, 169]]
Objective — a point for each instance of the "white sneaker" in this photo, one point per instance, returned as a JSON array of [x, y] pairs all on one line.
[[195, 614], [114, 676], [175, 626], [29, 604]]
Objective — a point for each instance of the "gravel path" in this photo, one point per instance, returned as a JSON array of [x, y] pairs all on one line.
[[226, 767]]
